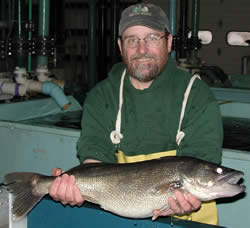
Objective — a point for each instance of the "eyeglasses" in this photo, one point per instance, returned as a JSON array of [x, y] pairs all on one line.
[[150, 41]]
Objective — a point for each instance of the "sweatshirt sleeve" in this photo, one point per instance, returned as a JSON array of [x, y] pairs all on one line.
[[202, 125], [94, 141]]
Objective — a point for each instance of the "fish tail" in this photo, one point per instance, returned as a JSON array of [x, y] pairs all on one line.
[[24, 188]]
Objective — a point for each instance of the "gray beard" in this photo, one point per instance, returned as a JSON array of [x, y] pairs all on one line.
[[138, 73]]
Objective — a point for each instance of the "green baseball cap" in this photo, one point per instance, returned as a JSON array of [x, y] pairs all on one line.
[[148, 15]]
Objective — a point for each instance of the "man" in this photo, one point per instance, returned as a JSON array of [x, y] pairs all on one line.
[[140, 112]]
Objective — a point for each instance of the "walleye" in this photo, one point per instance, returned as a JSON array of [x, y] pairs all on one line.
[[131, 190]]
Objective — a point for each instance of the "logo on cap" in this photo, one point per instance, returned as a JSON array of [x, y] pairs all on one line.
[[140, 10]]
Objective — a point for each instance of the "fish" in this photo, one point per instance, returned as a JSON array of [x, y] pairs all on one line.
[[132, 190]]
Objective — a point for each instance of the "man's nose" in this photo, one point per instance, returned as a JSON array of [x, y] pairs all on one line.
[[142, 46]]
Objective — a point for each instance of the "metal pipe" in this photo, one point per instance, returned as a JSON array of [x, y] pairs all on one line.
[[20, 32], [44, 11], [92, 77], [244, 64], [172, 21], [183, 29], [102, 61], [10, 13], [19, 17], [195, 17], [57, 25], [114, 31], [195, 30], [3, 20], [30, 34]]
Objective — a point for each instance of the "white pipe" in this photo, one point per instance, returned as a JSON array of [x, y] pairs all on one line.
[[42, 74], [21, 75], [43, 85], [51, 89], [12, 88], [34, 86]]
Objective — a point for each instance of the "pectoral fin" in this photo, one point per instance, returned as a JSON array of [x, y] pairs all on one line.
[[156, 215], [168, 187], [90, 199]]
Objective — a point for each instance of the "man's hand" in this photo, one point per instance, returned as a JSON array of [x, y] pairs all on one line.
[[64, 189], [180, 206]]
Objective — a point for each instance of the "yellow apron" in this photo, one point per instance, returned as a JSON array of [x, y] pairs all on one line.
[[208, 211]]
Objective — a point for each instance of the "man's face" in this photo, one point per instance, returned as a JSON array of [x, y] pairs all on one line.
[[144, 62]]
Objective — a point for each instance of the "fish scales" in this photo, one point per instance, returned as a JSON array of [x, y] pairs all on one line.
[[130, 190]]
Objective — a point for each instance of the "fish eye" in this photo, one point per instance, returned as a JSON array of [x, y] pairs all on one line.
[[219, 170]]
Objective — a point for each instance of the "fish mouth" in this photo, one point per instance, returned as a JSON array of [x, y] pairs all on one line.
[[229, 183], [231, 178]]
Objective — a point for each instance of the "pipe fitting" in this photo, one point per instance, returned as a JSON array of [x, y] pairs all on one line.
[[34, 86], [56, 93], [42, 73], [21, 75], [11, 88]]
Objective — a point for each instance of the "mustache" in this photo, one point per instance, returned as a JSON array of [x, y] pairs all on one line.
[[138, 56]]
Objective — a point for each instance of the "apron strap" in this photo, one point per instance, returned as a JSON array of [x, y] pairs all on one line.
[[180, 134], [116, 135]]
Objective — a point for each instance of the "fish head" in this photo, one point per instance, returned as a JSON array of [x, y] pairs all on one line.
[[208, 181]]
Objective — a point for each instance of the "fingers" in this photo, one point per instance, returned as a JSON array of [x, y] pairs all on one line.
[[78, 196], [56, 171], [63, 189], [64, 192], [175, 206], [196, 203], [184, 205], [181, 205], [53, 188], [68, 191]]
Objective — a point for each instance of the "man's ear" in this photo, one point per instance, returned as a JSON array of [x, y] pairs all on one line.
[[170, 40], [119, 42]]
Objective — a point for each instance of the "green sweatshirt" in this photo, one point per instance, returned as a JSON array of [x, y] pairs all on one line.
[[150, 118]]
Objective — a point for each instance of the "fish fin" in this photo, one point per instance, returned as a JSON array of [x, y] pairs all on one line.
[[167, 187], [156, 215], [25, 196], [163, 188], [90, 199]]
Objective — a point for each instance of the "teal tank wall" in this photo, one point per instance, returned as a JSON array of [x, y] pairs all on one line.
[[31, 142]]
